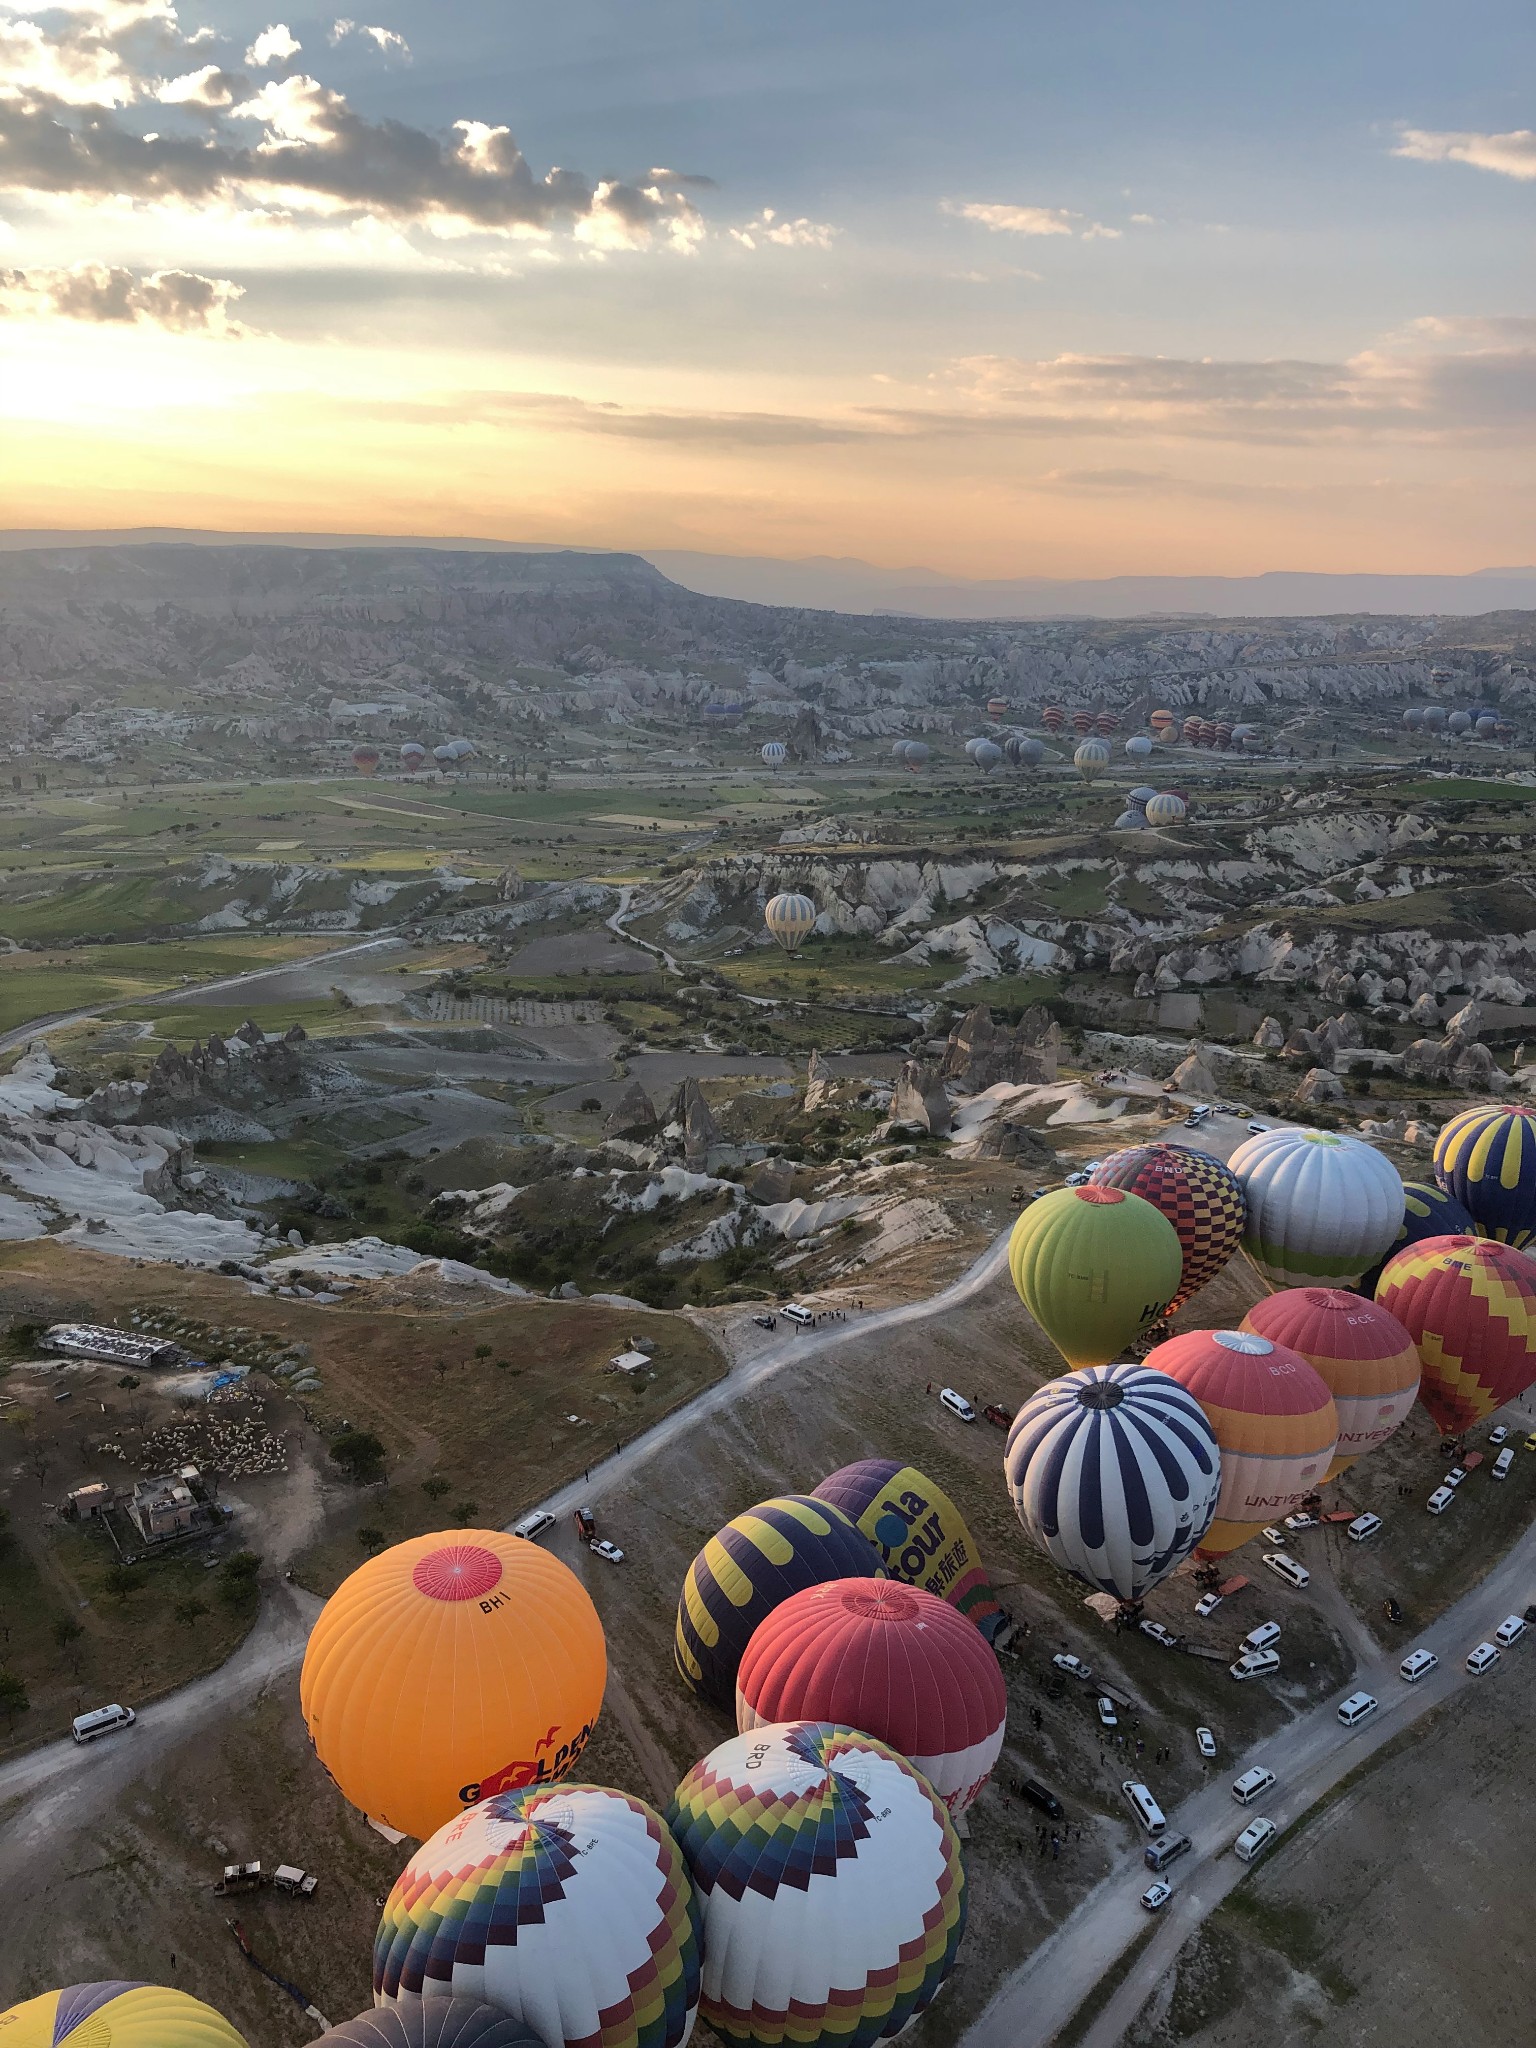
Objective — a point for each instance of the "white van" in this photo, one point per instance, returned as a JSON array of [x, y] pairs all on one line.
[[1356, 1708], [957, 1404], [1287, 1568], [1255, 1664], [1248, 1787], [1362, 1527], [1440, 1499], [1501, 1465], [101, 1721], [1254, 1839], [1482, 1659], [792, 1312], [1144, 1806], [1264, 1637], [1416, 1665], [1510, 1630], [533, 1526]]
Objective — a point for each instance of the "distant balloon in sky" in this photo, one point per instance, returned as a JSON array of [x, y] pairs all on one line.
[[790, 918], [1053, 718], [1138, 746], [413, 755], [1114, 1473], [997, 707], [366, 760]]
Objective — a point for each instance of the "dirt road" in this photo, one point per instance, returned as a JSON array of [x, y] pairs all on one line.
[[1309, 1758]]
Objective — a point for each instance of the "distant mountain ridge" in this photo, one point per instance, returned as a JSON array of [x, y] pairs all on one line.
[[846, 584]]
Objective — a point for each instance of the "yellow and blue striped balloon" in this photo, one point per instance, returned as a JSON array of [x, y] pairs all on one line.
[[790, 918], [745, 1570], [1486, 1158], [116, 2014]]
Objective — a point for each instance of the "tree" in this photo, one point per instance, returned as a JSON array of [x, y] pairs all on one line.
[[238, 1587], [121, 1580], [360, 1455], [482, 1351], [190, 1611], [13, 1697], [435, 1487], [372, 1540], [465, 1512]]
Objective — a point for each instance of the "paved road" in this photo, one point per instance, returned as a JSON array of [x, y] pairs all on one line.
[[1309, 1758], [196, 993]]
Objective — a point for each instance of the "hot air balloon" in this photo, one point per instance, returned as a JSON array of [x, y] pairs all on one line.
[[789, 918], [898, 750], [444, 754], [1470, 1306], [986, 755], [432, 2023], [116, 2015], [1114, 1473], [1364, 1356], [1053, 718], [449, 1667], [1201, 1198], [1082, 723], [1191, 731], [1208, 731], [1163, 723], [1413, 718], [1503, 732], [1459, 722], [918, 1531], [832, 1886], [1273, 1417], [1486, 1158], [1434, 718], [1486, 726], [746, 1569], [1223, 735], [413, 756], [774, 753], [1427, 1212], [889, 1659], [1242, 734], [1130, 820], [1140, 797], [1166, 809], [1106, 724], [997, 707], [568, 1907], [1031, 753], [1090, 758], [1320, 1207], [1138, 746], [366, 760], [916, 755], [1094, 1266]]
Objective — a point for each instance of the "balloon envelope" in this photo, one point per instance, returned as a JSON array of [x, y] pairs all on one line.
[[117, 2014], [447, 1668], [1321, 1207], [774, 752], [1114, 1473], [746, 1569], [1470, 1306], [1201, 1198], [568, 1907], [1138, 746], [1094, 1266], [892, 1660], [1090, 757], [1273, 1417], [986, 754], [1486, 1158], [1364, 1356], [366, 760], [789, 918], [1166, 809], [1428, 1211], [432, 2023], [918, 1532], [832, 1886]]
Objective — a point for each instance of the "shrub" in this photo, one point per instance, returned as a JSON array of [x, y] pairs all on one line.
[[360, 1455]]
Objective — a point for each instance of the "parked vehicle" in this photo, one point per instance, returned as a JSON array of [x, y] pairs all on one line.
[[1510, 1630], [1301, 1521], [957, 1404], [1043, 1797], [1159, 1634], [1357, 1707], [1248, 1787], [610, 1553], [586, 1524], [1455, 1476], [1499, 1469], [1108, 1718], [1158, 1854], [1264, 1637], [1255, 1664], [1074, 1667], [99, 1721], [1144, 1806], [1287, 1568], [1156, 1896], [996, 1412], [1482, 1659], [1207, 1604], [1440, 1499], [1417, 1664], [531, 1527], [1205, 1742], [1255, 1839], [1499, 1435], [1274, 1536], [1362, 1528]]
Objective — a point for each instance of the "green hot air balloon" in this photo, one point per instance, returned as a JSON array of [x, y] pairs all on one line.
[[1094, 1266]]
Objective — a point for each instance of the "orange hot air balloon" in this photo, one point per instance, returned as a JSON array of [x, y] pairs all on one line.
[[1366, 1357], [1469, 1304], [449, 1668], [366, 760], [1274, 1419]]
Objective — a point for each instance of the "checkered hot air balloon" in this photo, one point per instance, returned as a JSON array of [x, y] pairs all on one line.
[[1114, 1473], [892, 1660], [1363, 1355], [116, 2015], [746, 1569], [1486, 1158], [832, 1887], [1470, 1306], [568, 1908], [1200, 1196]]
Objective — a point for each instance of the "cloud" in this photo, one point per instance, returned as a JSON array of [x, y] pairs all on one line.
[[178, 301], [1511, 155], [212, 88], [785, 234], [275, 45], [79, 65], [384, 40], [1015, 220]]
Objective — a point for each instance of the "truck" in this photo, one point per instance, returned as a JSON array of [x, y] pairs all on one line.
[[586, 1524]]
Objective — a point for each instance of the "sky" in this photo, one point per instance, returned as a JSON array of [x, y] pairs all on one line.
[[999, 288]]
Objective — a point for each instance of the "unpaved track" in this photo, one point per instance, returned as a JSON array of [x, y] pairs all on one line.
[[1309, 1758]]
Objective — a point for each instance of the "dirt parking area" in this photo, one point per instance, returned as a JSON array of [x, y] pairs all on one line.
[[1397, 1917]]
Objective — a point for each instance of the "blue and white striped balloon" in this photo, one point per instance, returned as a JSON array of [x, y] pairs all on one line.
[[774, 752], [1114, 1472], [789, 918]]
